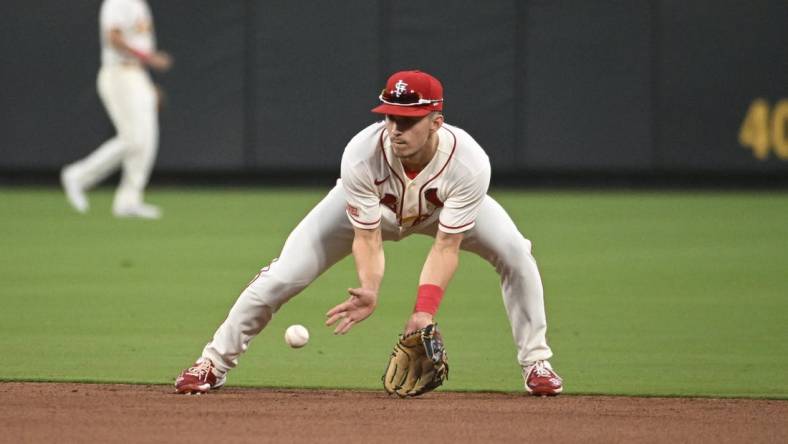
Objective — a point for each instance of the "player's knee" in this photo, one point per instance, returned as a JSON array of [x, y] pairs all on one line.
[[137, 141], [527, 245], [520, 247], [274, 291], [515, 253]]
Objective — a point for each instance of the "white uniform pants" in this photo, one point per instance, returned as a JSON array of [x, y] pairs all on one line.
[[325, 236], [130, 100]]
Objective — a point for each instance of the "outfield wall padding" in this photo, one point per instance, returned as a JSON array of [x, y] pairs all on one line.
[[569, 86]]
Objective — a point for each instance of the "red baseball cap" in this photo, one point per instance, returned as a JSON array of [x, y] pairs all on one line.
[[410, 94]]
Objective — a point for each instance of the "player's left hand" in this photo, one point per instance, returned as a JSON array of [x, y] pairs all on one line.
[[417, 321], [359, 306]]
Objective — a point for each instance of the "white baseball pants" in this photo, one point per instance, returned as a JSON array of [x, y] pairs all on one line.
[[325, 236], [130, 99]]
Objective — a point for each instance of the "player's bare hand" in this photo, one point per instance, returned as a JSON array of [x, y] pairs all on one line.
[[356, 308], [160, 61], [418, 320]]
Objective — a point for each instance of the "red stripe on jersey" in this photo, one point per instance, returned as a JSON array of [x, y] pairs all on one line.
[[457, 227], [393, 173], [451, 155], [362, 222]]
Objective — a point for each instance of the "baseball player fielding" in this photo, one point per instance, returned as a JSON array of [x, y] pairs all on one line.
[[408, 173]]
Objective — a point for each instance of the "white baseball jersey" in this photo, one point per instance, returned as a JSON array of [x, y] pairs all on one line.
[[133, 18], [451, 187]]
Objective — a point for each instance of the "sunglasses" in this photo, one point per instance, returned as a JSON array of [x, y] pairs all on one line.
[[405, 99]]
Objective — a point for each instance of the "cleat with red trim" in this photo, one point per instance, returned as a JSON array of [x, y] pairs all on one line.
[[542, 380], [199, 378]]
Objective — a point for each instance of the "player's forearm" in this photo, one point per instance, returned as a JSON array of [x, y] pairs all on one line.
[[157, 60], [442, 260], [438, 270], [117, 40], [369, 258]]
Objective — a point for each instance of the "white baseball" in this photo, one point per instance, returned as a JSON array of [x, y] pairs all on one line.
[[296, 336]]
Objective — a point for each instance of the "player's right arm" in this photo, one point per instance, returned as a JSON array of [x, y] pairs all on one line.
[[370, 265], [369, 258], [158, 60], [363, 212]]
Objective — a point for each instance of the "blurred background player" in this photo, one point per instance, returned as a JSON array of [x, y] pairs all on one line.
[[408, 174], [128, 45]]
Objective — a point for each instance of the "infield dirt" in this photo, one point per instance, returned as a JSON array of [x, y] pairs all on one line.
[[50, 412]]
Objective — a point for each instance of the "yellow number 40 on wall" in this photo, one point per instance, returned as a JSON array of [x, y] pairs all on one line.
[[761, 134]]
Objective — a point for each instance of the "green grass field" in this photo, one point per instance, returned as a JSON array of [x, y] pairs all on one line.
[[647, 293]]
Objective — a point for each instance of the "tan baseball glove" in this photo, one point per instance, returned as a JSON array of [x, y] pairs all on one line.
[[418, 363]]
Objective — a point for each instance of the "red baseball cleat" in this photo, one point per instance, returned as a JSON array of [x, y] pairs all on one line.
[[542, 380], [198, 379]]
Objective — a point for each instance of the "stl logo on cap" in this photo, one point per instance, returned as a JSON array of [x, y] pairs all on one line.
[[399, 88], [410, 94]]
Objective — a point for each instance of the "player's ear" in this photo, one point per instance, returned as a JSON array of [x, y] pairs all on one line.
[[436, 121]]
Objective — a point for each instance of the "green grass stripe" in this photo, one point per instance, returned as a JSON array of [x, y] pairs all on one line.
[[647, 293]]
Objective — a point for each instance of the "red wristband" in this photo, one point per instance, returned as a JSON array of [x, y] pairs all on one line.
[[139, 54], [428, 298]]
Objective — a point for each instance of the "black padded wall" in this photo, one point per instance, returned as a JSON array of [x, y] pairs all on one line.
[[544, 86]]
